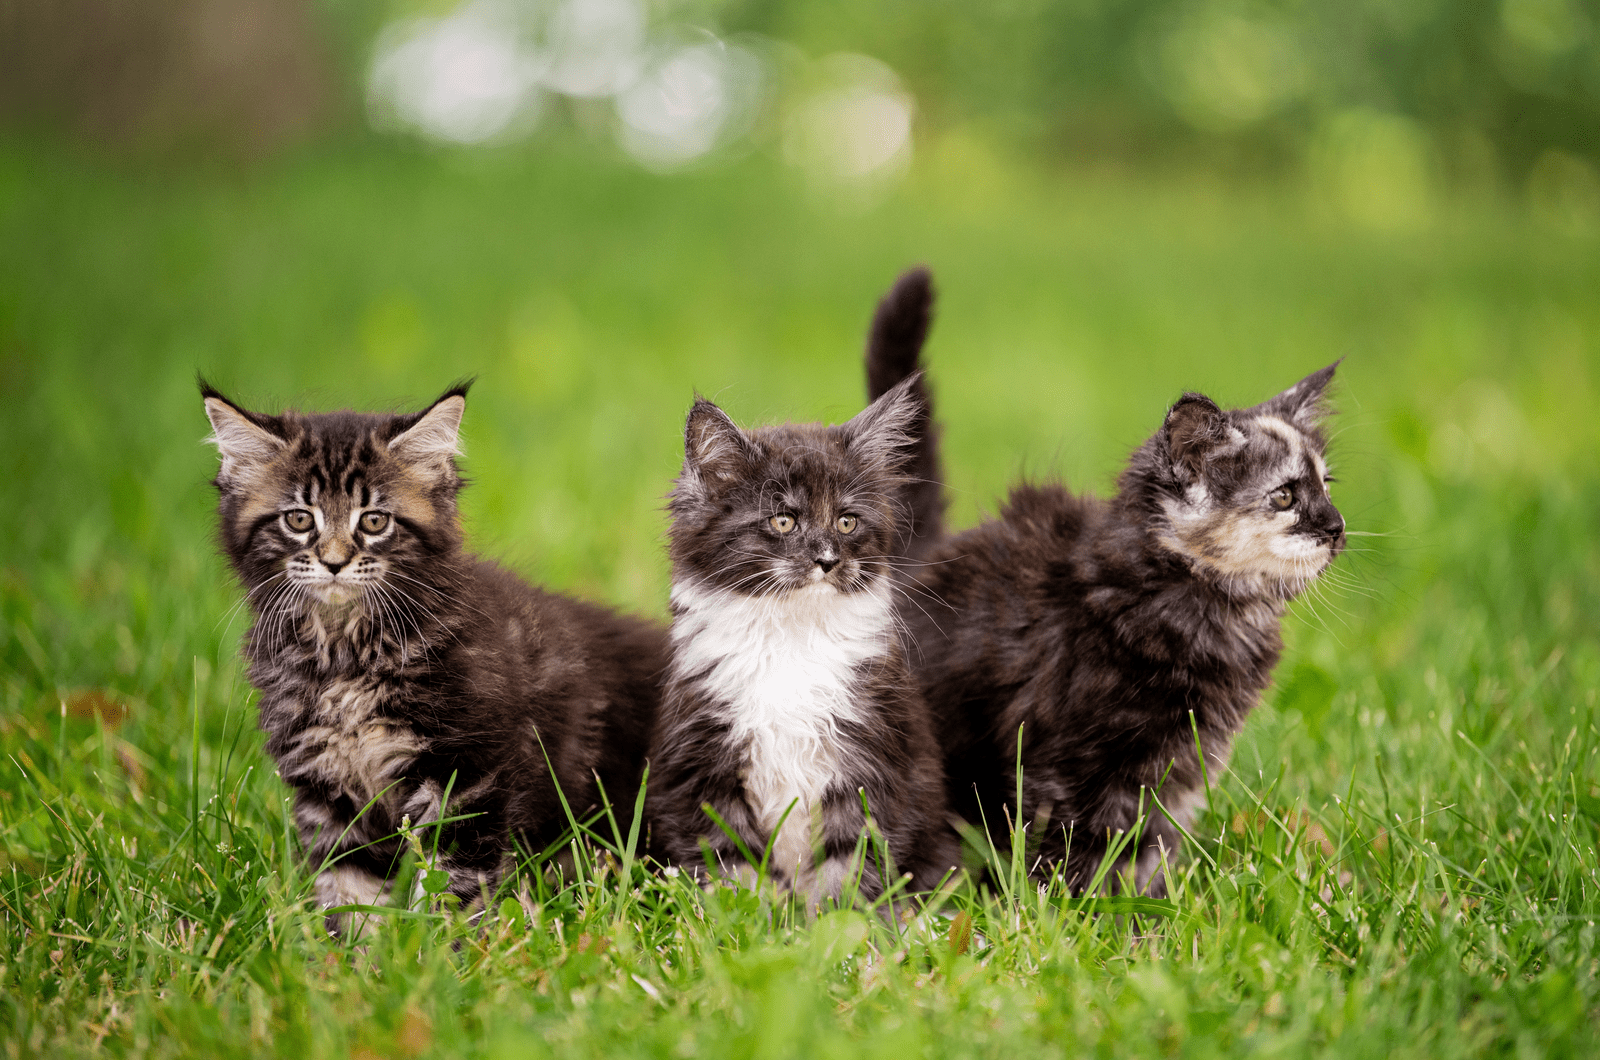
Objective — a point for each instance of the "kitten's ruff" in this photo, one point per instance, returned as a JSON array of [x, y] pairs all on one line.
[[782, 672]]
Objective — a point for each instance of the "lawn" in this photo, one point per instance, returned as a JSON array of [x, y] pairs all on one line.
[[1400, 861]]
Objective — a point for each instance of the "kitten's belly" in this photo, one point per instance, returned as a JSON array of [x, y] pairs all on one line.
[[784, 768], [348, 745]]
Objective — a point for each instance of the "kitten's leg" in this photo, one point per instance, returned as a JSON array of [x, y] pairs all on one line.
[[471, 851], [842, 825], [1137, 868], [353, 855], [350, 885], [729, 862]]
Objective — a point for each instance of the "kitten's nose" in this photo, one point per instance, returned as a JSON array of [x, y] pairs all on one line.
[[827, 562], [334, 567]]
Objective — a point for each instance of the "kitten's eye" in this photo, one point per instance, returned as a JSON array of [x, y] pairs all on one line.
[[374, 522], [299, 520], [846, 523], [1282, 498], [782, 523]]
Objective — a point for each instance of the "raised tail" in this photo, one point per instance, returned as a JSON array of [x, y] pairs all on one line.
[[894, 352]]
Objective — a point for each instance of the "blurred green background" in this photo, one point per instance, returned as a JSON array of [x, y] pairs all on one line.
[[598, 208]]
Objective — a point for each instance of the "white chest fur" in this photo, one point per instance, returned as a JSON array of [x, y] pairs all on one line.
[[782, 670]]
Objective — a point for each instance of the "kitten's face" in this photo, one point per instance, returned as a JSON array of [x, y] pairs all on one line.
[[336, 511], [1246, 491], [792, 508]]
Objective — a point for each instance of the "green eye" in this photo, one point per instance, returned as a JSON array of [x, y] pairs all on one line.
[[846, 524], [1282, 498], [299, 520], [782, 523], [374, 522]]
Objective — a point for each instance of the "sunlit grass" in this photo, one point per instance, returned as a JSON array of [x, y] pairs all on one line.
[[1400, 860]]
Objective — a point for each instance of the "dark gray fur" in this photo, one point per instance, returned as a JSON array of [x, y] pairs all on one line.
[[894, 353], [1098, 628]]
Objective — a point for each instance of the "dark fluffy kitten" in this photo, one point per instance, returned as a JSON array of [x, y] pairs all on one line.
[[788, 682], [392, 665], [1097, 627]]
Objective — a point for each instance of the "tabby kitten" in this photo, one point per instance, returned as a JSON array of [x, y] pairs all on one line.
[[1097, 627], [788, 682], [394, 667]]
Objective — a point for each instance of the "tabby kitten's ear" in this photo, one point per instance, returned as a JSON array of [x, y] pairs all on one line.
[[714, 448], [1302, 404], [239, 436], [433, 441], [884, 431], [1195, 429]]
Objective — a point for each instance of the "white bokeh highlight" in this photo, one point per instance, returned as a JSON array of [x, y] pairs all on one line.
[[688, 102], [485, 71], [854, 126], [595, 47], [463, 79]]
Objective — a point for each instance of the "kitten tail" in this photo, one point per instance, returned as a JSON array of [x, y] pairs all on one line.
[[894, 353]]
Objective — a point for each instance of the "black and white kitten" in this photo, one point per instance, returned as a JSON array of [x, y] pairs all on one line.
[[393, 666], [788, 682], [1097, 627]]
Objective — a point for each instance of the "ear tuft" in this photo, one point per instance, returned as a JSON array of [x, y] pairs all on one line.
[[432, 443], [1195, 426], [713, 445], [1305, 404], [243, 443], [887, 430]]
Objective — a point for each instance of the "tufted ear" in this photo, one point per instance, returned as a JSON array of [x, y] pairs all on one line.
[[885, 431], [432, 443], [714, 448], [1303, 404], [241, 439], [1195, 427]]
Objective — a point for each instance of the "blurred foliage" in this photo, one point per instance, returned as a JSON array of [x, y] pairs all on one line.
[[1494, 84], [1474, 93], [240, 77]]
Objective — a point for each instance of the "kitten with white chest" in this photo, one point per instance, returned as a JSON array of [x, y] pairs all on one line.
[[788, 685]]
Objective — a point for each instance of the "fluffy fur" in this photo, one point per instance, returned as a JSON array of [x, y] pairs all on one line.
[[788, 683], [394, 667], [894, 354], [1097, 627]]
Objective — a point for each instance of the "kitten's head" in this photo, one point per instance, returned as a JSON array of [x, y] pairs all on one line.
[[339, 508], [795, 507], [1243, 493]]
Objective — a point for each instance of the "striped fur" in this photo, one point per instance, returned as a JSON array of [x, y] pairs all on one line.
[[394, 667]]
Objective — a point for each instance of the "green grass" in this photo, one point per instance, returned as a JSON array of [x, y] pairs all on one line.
[[1400, 861]]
